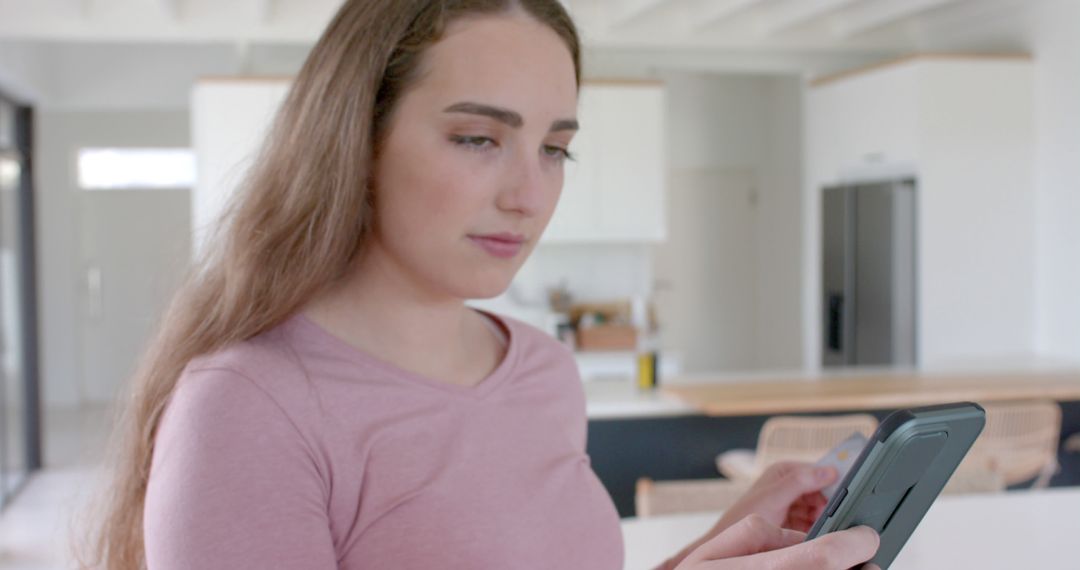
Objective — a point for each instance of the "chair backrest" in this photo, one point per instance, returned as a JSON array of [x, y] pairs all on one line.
[[1020, 439], [653, 498], [807, 438], [974, 478]]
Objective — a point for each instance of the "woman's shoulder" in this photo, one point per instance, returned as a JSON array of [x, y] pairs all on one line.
[[264, 356], [262, 368]]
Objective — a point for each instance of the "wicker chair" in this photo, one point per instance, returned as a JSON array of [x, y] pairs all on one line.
[[792, 438], [1020, 441], [971, 478], [653, 498]]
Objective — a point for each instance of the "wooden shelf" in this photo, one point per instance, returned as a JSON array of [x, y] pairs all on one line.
[[874, 391]]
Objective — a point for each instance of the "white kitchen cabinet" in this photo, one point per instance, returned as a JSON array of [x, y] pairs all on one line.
[[230, 118], [963, 128], [614, 191]]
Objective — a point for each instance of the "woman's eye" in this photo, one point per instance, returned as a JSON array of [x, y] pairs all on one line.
[[558, 152], [471, 142]]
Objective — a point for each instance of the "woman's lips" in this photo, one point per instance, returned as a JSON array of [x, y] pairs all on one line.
[[503, 246]]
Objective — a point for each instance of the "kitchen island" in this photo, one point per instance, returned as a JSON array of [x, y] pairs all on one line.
[[856, 391], [677, 431]]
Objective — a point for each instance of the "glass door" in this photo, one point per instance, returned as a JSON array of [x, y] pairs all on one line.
[[19, 428]]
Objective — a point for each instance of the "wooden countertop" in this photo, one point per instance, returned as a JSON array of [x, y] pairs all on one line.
[[873, 391]]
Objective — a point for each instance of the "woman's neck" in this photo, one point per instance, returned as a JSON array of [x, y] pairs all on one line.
[[380, 311]]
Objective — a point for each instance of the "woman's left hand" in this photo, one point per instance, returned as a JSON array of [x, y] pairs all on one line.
[[788, 494]]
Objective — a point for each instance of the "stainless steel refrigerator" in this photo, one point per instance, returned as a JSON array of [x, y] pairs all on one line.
[[868, 274]]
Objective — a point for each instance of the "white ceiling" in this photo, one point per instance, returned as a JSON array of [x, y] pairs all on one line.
[[744, 24], [75, 39]]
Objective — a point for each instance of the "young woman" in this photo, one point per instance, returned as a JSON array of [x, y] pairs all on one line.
[[320, 397]]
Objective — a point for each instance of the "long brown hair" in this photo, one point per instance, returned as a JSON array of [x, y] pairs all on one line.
[[294, 226]]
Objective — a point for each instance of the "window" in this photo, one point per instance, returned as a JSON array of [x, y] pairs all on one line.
[[136, 168]]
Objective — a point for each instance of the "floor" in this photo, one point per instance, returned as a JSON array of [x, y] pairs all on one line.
[[39, 528]]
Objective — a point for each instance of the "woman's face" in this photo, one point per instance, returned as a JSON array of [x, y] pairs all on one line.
[[471, 167]]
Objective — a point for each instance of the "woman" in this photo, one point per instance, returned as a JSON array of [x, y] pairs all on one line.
[[320, 396]]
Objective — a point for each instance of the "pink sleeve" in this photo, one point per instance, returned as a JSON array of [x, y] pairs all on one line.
[[233, 485]]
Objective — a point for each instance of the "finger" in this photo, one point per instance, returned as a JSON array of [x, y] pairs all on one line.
[[803, 479], [810, 505], [751, 535], [834, 551], [801, 525], [781, 469]]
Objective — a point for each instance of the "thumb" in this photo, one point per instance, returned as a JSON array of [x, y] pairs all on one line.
[[834, 551], [751, 535]]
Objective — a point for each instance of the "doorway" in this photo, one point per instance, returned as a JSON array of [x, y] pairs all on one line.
[[134, 246]]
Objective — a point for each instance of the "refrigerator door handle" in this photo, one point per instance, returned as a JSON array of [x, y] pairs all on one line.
[[835, 330]]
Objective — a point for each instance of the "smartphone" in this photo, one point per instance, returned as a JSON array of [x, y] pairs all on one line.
[[900, 472]]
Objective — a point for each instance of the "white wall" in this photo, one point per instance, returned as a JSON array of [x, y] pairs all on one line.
[[23, 73], [976, 212], [115, 76], [779, 228], [728, 275], [146, 77], [594, 272], [60, 280], [705, 271], [226, 145], [1057, 96]]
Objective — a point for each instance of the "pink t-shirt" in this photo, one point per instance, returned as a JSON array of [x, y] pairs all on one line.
[[294, 450]]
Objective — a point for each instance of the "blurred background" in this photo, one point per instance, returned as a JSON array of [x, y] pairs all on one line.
[[779, 207]]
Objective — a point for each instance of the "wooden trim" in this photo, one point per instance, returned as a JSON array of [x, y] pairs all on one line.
[[871, 392], [834, 77]]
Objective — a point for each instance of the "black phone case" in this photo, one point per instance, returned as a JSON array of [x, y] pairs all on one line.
[[900, 472]]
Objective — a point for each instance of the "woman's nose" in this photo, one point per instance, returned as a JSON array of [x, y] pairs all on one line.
[[526, 187]]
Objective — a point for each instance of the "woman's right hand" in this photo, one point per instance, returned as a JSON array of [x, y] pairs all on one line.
[[755, 544]]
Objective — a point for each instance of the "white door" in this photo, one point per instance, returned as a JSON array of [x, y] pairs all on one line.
[[135, 248]]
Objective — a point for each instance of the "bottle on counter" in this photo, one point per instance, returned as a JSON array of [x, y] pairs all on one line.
[[648, 360], [648, 365]]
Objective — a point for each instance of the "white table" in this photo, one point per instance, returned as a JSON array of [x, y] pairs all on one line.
[[1019, 530]]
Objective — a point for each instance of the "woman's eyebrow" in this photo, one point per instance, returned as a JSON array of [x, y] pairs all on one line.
[[506, 116], [564, 125]]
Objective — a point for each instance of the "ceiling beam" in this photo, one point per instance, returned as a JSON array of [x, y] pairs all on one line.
[[629, 10], [872, 16], [792, 14], [709, 12]]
